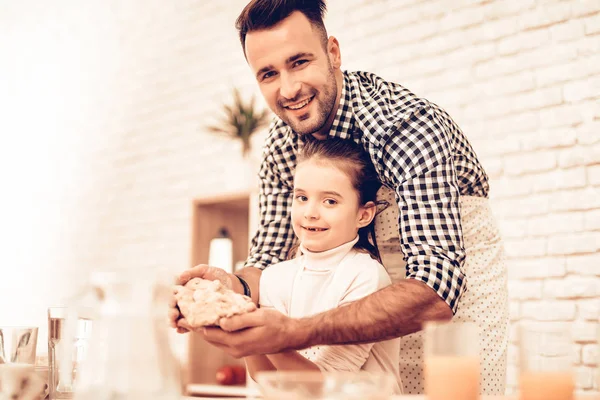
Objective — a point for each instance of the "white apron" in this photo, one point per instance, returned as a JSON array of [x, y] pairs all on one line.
[[485, 302]]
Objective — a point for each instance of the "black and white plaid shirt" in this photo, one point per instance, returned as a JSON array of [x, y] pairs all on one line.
[[417, 150]]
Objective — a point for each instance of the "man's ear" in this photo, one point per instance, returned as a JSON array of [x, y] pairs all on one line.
[[366, 214], [333, 52]]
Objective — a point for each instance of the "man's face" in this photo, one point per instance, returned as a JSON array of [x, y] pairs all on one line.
[[295, 73]]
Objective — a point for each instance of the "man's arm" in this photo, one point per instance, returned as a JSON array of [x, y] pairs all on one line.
[[397, 310], [275, 235], [417, 160], [394, 311], [252, 277]]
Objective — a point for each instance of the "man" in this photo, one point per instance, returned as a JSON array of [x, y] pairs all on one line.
[[444, 226]]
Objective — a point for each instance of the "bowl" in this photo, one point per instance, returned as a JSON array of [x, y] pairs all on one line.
[[290, 385]]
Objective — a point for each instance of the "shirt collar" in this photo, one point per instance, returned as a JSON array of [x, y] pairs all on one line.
[[328, 259], [343, 124]]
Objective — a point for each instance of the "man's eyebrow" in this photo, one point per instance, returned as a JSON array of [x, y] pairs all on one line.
[[297, 56], [289, 60]]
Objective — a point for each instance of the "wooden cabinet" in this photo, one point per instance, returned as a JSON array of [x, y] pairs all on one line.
[[209, 216]]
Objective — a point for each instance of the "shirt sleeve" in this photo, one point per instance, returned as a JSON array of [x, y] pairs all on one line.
[[274, 236], [417, 162], [351, 358], [276, 284], [343, 358]]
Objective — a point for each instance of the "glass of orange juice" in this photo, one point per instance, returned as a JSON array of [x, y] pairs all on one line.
[[451, 361], [545, 362]]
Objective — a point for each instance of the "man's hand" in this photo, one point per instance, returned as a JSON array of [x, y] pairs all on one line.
[[176, 320], [264, 331]]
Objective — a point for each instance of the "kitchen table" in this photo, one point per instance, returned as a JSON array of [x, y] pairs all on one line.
[[219, 392], [407, 397]]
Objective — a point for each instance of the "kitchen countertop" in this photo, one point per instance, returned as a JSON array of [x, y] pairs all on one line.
[[219, 392], [590, 396]]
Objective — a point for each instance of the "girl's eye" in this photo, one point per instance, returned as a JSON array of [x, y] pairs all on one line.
[[301, 198], [330, 202]]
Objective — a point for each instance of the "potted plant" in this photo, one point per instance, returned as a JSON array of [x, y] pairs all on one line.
[[241, 120]]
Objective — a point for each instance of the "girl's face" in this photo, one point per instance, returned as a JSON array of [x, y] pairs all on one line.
[[326, 211]]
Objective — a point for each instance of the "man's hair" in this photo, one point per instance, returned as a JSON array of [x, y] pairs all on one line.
[[263, 14]]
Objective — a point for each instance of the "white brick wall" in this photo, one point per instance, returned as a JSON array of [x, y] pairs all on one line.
[[104, 148]]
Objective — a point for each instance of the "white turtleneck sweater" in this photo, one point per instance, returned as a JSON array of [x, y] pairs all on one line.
[[317, 282]]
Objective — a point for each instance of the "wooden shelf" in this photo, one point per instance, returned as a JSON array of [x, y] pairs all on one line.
[[209, 216]]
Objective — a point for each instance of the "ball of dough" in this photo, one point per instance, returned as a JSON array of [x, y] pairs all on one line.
[[204, 302]]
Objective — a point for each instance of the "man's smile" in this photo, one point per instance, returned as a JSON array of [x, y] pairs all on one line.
[[300, 105]]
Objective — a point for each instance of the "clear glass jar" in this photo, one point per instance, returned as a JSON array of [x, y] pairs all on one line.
[[129, 356], [67, 348]]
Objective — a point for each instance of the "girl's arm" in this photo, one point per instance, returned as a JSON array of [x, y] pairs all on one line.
[[291, 361], [257, 364], [285, 361]]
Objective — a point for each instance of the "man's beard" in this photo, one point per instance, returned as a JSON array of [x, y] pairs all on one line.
[[323, 108]]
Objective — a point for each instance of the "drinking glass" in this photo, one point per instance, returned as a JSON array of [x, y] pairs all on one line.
[[18, 344], [18, 379], [545, 362], [68, 341], [451, 361]]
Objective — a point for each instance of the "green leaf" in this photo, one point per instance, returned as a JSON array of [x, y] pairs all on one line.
[[240, 120]]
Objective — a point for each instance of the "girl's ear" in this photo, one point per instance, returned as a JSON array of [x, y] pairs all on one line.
[[366, 214]]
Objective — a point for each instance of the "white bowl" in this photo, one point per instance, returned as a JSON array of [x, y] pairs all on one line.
[[291, 385]]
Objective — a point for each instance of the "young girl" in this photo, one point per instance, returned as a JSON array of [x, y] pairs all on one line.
[[337, 262]]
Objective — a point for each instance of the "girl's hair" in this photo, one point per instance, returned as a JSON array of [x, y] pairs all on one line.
[[351, 159]]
